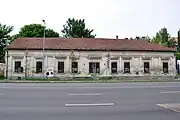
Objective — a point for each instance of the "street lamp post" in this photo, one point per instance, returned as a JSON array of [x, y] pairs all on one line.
[[43, 47], [6, 59]]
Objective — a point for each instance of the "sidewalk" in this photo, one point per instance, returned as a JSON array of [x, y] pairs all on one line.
[[83, 81]]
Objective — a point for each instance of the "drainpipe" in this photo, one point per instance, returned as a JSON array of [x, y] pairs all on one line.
[[44, 36]]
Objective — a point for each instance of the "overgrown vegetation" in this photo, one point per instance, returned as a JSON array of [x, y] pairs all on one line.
[[5, 39], [1, 77]]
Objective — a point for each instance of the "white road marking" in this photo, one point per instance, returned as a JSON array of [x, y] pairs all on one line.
[[169, 107], [171, 92], [5, 87], [1, 94], [85, 94], [98, 104]]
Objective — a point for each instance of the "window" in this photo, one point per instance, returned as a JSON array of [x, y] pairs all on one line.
[[18, 68], [126, 67], [74, 67], [114, 67], [60, 67], [94, 67], [39, 67], [146, 67], [165, 67]]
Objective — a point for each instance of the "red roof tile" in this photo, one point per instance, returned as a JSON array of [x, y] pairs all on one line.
[[87, 44]]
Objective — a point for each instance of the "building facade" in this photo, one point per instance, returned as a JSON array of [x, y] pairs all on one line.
[[103, 58]]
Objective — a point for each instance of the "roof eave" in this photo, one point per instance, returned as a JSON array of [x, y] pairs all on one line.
[[93, 49]]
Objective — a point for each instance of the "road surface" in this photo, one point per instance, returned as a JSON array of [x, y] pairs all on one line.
[[116, 101]]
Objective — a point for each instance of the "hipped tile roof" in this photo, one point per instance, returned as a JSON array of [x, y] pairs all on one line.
[[86, 44]]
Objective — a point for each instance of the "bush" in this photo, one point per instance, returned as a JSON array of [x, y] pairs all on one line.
[[1, 77], [178, 56]]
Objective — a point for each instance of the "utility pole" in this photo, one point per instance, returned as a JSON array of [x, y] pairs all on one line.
[[7, 60], [43, 71]]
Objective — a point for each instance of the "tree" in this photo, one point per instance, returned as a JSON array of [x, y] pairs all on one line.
[[157, 39], [178, 41], [5, 39], [76, 29], [143, 38], [163, 37], [15, 36], [172, 42], [146, 38], [51, 33], [36, 30]]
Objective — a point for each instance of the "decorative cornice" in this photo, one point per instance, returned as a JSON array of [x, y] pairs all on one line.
[[17, 57], [60, 57]]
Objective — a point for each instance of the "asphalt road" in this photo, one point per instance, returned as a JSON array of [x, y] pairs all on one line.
[[123, 101]]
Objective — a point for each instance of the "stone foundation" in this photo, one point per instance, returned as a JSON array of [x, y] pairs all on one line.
[[101, 78]]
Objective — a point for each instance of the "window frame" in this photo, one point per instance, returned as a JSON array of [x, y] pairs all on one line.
[[129, 71], [41, 70], [58, 70], [114, 71], [72, 68], [16, 69], [167, 67], [96, 69], [148, 67]]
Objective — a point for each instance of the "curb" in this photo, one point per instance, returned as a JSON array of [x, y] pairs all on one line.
[[108, 81]]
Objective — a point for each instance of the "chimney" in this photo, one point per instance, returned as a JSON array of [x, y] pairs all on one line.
[[117, 37]]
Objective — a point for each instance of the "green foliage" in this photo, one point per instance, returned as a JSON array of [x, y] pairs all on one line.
[[178, 40], [179, 37], [146, 38], [36, 30], [157, 39], [142, 38], [171, 42], [76, 29], [5, 39], [163, 37], [178, 56], [51, 33], [2, 77], [13, 37]]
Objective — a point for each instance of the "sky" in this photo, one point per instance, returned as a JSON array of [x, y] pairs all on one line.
[[108, 18]]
